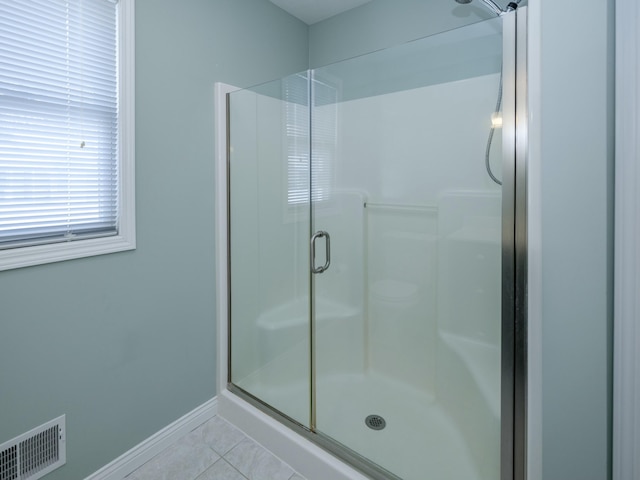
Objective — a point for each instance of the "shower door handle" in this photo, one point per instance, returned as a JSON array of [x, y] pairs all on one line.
[[327, 262]]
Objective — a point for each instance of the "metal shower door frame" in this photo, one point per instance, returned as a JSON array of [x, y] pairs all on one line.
[[514, 248]]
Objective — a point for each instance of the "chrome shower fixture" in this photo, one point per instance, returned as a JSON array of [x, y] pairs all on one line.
[[493, 6]]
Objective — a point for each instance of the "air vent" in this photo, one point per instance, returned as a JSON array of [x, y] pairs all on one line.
[[34, 454]]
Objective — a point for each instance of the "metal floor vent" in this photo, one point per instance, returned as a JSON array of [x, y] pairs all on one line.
[[375, 422], [34, 454]]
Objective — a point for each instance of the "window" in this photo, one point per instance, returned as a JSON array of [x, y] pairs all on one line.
[[66, 130], [323, 138]]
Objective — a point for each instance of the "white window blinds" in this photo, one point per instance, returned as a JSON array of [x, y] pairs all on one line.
[[58, 121], [323, 134], [296, 95]]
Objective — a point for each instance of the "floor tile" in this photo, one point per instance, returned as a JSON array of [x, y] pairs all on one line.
[[221, 470], [219, 435], [184, 460], [256, 463]]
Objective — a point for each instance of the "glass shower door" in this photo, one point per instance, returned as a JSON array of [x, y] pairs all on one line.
[[407, 314], [269, 199]]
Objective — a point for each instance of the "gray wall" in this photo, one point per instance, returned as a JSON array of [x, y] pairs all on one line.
[[124, 344], [384, 23], [576, 171]]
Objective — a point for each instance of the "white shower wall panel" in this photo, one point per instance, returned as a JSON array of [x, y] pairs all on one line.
[[411, 146], [402, 310], [414, 152]]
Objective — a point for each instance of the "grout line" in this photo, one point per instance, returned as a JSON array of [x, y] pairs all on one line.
[[233, 466]]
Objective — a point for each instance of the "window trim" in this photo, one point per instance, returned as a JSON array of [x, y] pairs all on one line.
[[126, 238]]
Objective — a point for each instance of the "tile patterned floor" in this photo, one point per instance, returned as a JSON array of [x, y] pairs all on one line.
[[216, 450]]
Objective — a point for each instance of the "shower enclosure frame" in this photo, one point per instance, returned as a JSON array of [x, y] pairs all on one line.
[[282, 434], [514, 249]]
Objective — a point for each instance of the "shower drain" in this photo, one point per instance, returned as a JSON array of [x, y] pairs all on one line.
[[375, 422]]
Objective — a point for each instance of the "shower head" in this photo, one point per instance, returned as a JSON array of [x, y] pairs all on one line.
[[493, 6]]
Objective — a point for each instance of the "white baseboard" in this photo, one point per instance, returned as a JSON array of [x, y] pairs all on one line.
[[149, 448]]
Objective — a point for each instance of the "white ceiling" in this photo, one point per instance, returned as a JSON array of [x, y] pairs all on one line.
[[313, 11]]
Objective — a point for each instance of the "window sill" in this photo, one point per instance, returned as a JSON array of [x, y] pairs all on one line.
[[58, 252]]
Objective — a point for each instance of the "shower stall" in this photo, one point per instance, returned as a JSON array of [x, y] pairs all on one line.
[[374, 284]]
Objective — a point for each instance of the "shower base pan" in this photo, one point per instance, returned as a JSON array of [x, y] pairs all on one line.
[[419, 440]]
